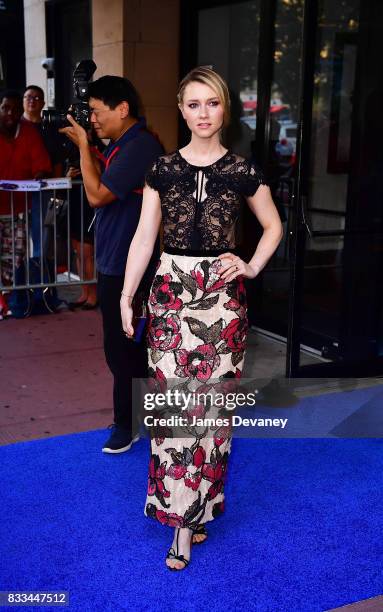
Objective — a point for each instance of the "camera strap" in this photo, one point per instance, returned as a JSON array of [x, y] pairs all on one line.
[[110, 157], [106, 161]]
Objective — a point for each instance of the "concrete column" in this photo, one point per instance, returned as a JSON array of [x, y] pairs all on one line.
[[107, 34], [139, 39], [35, 45]]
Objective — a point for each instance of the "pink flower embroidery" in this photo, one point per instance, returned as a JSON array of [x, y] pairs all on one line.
[[193, 480], [169, 518], [164, 295], [163, 332], [207, 276], [234, 335], [157, 473], [198, 363]]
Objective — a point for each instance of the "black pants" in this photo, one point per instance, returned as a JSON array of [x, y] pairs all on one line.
[[126, 359]]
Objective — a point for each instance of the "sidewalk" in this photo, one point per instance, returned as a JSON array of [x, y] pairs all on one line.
[[53, 376], [54, 379]]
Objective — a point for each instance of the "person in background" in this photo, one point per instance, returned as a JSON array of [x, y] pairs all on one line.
[[33, 104], [114, 189], [22, 152], [82, 238], [22, 156], [82, 228]]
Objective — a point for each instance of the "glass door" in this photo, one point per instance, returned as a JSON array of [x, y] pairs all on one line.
[[276, 151], [307, 97], [336, 244], [228, 36], [69, 40], [263, 121]]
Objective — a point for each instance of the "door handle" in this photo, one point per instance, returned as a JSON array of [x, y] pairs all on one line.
[[304, 216]]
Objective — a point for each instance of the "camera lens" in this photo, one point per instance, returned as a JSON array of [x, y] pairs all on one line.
[[54, 119]]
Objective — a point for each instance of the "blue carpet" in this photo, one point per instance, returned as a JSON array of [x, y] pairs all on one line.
[[348, 414], [301, 533]]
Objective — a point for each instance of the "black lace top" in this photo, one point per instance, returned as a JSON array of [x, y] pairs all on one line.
[[201, 205]]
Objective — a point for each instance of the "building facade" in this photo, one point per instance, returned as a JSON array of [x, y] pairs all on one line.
[[306, 87], [134, 38]]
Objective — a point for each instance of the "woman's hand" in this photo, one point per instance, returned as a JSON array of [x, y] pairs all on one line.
[[127, 316], [233, 266]]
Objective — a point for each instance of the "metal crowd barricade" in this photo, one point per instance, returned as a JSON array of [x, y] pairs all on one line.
[[47, 220]]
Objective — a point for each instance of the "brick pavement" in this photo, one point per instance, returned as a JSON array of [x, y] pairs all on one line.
[[53, 377], [54, 380]]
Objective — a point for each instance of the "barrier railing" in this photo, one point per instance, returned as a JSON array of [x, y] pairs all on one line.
[[40, 222]]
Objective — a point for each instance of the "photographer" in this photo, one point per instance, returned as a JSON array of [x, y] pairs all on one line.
[[114, 190]]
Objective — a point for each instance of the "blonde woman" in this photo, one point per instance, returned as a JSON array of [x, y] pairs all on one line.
[[198, 324]]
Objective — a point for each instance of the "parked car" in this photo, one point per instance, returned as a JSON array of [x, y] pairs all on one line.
[[284, 148], [250, 121], [288, 132]]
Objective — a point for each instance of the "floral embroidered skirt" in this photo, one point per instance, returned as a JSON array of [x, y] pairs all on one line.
[[196, 335]]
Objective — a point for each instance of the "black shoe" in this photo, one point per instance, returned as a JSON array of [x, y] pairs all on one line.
[[120, 440], [88, 306], [201, 531], [174, 554], [74, 305]]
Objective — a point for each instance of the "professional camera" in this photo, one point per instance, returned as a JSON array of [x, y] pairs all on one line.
[[79, 109]]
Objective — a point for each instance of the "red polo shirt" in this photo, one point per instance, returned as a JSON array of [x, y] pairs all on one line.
[[21, 158]]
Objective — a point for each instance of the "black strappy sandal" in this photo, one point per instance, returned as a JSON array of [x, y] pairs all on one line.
[[200, 530], [173, 555]]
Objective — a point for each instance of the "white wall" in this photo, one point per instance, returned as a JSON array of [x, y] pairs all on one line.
[[35, 43]]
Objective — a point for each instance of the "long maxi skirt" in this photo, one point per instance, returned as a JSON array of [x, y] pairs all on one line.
[[196, 335]]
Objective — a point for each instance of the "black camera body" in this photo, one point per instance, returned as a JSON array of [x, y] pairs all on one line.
[[79, 109]]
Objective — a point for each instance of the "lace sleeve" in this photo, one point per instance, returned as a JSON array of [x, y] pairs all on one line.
[[254, 179], [151, 177]]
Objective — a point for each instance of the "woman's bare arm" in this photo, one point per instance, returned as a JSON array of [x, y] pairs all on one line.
[[140, 252], [265, 210], [262, 205]]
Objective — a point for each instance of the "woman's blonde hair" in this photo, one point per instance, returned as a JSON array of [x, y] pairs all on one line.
[[207, 76]]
